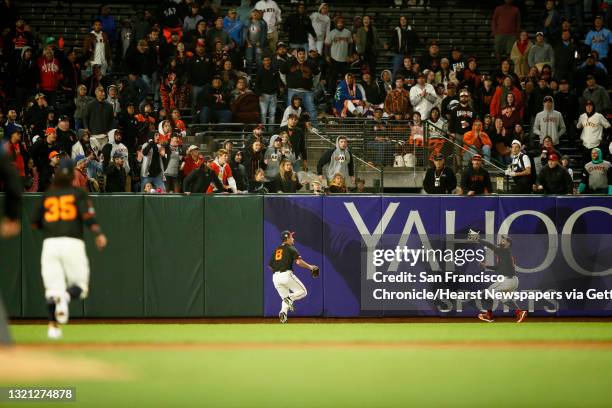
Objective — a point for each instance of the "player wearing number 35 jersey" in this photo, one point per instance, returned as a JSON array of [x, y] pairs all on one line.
[[61, 215], [289, 287]]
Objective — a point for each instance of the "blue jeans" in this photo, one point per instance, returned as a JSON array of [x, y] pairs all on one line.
[[398, 61], [486, 152], [195, 93], [308, 101], [253, 53], [157, 182], [221, 116], [267, 105]]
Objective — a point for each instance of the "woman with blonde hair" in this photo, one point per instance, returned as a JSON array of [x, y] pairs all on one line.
[[337, 185], [286, 181], [519, 54]]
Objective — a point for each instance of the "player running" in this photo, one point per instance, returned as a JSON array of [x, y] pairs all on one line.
[[505, 267], [289, 287], [64, 264]]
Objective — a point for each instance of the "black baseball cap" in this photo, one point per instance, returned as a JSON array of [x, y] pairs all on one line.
[[438, 157], [286, 235]]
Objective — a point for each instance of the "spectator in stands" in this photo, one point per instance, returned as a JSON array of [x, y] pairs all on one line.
[[300, 73], [66, 137], [272, 158], [520, 170], [244, 104], [520, 54], [596, 175], [11, 123], [297, 140], [26, 76], [510, 113], [348, 98], [170, 18], [254, 158], [18, 39], [550, 23], [339, 160], [337, 185], [397, 102], [500, 100], [116, 176], [590, 68], [80, 173], [173, 163], [82, 147], [431, 60], [404, 41], [475, 180], [554, 179], [367, 43], [16, 151], [213, 103], [50, 74], [239, 171], [422, 97], [217, 33], [501, 140], [152, 170], [505, 26], [255, 37], [373, 90], [439, 179], [42, 151], [339, 40], [98, 119], [190, 22], [600, 38], [321, 24], [295, 107], [566, 103], [244, 12], [461, 117], [198, 73], [457, 62], [272, 16], [97, 47], [286, 181], [546, 149], [565, 57], [192, 161], [386, 81], [197, 36], [476, 142], [452, 99], [142, 62], [113, 146], [597, 94], [203, 180], [406, 71], [267, 86], [471, 76], [549, 122], [593, 125], [572, 9], [541, 53]]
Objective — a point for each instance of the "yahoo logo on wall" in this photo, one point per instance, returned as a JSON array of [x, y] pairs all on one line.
[[413, 223]]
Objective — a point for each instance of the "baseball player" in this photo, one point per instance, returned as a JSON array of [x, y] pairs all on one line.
[[64, 264], [289, 287], [505, 267]]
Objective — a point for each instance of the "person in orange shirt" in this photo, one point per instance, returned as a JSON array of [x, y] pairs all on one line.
[[476, 142]]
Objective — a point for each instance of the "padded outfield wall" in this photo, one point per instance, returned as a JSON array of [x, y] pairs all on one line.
[[195, 256]]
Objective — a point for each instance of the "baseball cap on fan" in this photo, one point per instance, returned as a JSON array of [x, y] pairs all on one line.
[[285, 235]]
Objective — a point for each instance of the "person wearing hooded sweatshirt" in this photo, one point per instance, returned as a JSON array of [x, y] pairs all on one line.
[[339, 160], [81, 100], [234, 27], [239, 171], [98, 118], [254, 159], [338, 49], [541, 53], [113, 146], [26, 76], [549, 122], [593, 125], [499, 100], [113, 99], [597, 175], [152, 170], [321, 24], [82, 146], [348, 99], [273, 157]]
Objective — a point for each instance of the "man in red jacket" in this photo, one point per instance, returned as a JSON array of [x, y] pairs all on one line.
[[50, 74], [222, 170]]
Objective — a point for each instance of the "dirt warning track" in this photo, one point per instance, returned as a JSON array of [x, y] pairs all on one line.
[[409, 345]]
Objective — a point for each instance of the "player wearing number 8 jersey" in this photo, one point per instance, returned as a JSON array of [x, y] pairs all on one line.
[[289, 287], [64, 265]]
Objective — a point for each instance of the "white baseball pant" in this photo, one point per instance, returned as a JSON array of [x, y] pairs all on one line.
[[64, 263], [288, 285]]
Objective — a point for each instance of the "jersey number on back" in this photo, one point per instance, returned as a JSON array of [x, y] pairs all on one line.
[[278, 255], [60, 208]]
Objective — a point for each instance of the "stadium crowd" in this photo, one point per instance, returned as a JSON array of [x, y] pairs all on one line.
[[120, 104]]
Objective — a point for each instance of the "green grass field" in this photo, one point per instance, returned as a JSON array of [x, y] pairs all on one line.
[[336, 365]]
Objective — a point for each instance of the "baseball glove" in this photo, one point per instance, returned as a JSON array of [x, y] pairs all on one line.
[[315, 272], [473, 235]]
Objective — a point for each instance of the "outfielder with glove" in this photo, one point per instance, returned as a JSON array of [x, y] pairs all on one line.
[[289, 287]]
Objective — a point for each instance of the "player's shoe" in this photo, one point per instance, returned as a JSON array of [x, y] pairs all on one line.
[[54, 333], [521, 315], [61, 309], [282, 317], [289, 303], [486, 317]]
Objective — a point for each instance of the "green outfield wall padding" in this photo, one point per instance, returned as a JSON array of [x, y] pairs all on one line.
[[117, 283], [233, 233], [33, 292], [10, 272], [174, 256]]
